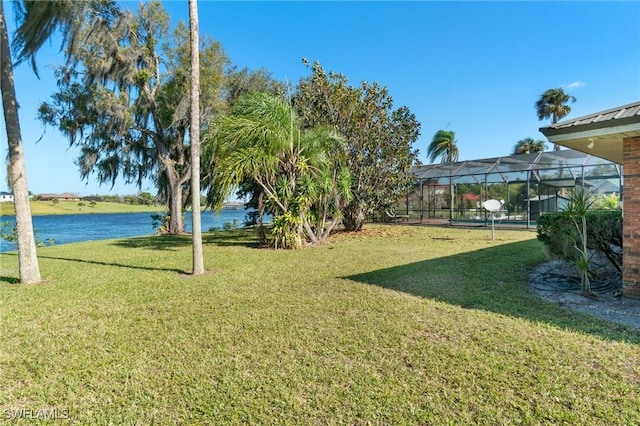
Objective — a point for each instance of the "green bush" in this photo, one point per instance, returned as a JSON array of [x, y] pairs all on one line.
[[604, 233]]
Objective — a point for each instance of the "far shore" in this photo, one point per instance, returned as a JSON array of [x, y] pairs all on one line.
[[41, 208]]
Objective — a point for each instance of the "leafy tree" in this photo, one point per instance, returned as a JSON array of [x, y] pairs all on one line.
[[379, 138], [528, 146], [554, 104], [297, 171], [245, 81], [125, 102]]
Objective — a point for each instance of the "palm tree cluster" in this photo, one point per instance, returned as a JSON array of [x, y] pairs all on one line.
[[300, 174]]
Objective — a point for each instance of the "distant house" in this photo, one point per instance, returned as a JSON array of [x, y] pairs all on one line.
[[6, 197], [65, 196], [471, 201]]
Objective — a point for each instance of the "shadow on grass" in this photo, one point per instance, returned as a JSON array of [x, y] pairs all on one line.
[[243, 237], [12, 280], [493, 280]]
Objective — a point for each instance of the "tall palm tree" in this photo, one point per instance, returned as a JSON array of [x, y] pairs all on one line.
[[194, 133], [29, 269], [444, 146], [554, 104], [38, 20], [528, 145]]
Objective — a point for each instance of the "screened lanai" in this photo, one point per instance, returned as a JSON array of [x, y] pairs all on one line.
[[529, 185]]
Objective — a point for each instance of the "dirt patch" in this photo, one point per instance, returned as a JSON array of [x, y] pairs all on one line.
[[559, 282]]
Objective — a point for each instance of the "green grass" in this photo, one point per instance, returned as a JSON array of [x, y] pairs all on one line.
[[396, 325], [71, 207]]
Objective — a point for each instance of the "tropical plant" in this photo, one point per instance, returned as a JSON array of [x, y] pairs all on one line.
[[126, 103], [554, 104], [580, 202], [528, 146], [237, 84], [295, 169], [379, 138]]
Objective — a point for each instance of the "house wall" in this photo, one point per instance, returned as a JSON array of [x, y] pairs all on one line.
[[631, 219]]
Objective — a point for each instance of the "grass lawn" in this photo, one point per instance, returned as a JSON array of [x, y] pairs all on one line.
[[395, 325], [67, 207]]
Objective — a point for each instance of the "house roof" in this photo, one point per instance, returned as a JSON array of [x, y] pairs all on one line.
[[471, 197], [598, 134], [61, 196]]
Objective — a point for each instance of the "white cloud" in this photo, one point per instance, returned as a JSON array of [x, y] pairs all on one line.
[[576, 85]]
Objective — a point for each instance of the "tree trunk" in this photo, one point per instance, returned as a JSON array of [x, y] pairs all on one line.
[[353, 217], [194, 133], [262, 235], [175, 225], [27, 257]]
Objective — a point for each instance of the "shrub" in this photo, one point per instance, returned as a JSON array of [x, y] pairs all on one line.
[[604, 233]]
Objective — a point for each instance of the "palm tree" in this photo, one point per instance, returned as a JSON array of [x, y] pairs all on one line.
[[194, 132], [445, 146], [528, 145], [38, 20], [553, 104], [299, 172], [29, 269]]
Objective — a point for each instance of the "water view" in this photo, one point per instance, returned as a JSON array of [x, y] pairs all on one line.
[[62, 229]]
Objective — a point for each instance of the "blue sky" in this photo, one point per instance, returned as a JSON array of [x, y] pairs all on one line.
[[473, 67]]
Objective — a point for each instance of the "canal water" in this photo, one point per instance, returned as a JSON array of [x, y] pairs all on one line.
[[63, 229]]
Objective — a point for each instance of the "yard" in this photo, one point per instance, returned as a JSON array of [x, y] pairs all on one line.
[[394, 325]]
